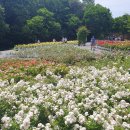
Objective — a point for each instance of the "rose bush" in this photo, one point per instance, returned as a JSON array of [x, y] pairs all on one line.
[[122, 45], [84, 98]]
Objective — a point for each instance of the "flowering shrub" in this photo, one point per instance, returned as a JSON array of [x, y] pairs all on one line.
[[82, 35], [80, 99], [123, 45], [68, 54], [37, 45], [22, 69], [61, 70]]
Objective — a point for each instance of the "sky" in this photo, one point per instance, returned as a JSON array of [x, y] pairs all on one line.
[[117, 7]]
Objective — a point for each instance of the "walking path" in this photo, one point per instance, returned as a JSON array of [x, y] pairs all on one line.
[[6, 54], [98, 50]]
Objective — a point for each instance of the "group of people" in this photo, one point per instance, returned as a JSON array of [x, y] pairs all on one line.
[[64, 40], [93, 42], [115, 38]]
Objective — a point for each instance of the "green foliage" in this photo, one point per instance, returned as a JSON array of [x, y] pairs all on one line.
[[26, 74], [121, 24], [33, 71], [50, 80], [98, 20], [45, 13], [92, 125], [35, 22], [128, 24], [43, 25], [4, 28], [14, 126], [60, 122], [61, 70], [74, 21], [5, 108], [43, 115], [22, 15], [82, 35], [17, 78], [118, 128]]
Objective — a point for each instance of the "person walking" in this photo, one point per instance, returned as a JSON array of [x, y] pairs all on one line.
[[38, 41], [65, 40], [93, 43], [54, 40]]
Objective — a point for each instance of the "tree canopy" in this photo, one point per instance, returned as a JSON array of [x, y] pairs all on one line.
[[4, 28], [43, 26], [98, 20], [25, 21], [128, 25], [121, 24]]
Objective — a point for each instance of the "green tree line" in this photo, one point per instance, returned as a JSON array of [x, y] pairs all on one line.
[[26, 21]]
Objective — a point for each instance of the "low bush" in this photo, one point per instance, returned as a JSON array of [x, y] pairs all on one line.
[[82, 35]]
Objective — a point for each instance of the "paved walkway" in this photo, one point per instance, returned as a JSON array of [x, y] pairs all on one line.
[[6, 54], [98, 50]]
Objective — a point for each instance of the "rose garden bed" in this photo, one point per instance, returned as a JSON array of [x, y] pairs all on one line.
[[118, 45], [41, 94]]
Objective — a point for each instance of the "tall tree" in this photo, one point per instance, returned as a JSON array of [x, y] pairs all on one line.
[[98, 20], [16, 14], [43, 26], [76, 8], [128, 25], [4, 28], [73, 24], [120, 24]]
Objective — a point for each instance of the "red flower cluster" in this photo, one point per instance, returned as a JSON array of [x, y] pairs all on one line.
[[4, 65], [113, 43], [104, 42]]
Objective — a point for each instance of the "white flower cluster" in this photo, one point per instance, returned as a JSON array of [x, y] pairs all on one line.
[[6, 121], [83, 95]]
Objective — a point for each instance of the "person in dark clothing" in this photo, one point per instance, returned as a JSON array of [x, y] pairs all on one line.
[[93, 43]]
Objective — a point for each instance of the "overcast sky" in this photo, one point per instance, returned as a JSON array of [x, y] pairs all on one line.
[[117, 7]]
